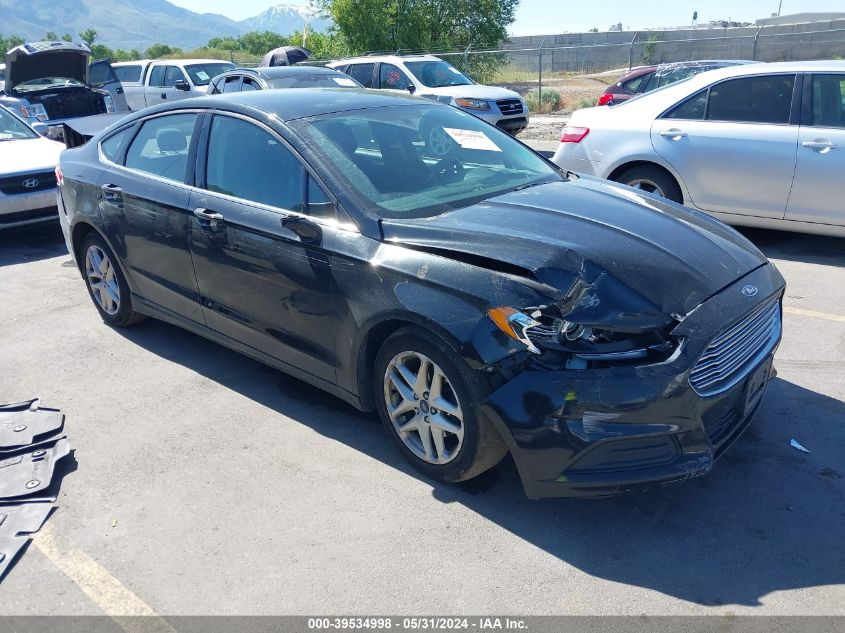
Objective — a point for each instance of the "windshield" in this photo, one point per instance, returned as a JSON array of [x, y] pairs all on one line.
[[437, 74], [317, 80], [201, 74], [47, 82], [412, 161], [12, 128]]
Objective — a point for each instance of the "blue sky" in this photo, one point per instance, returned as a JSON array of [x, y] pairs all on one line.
[[538, 17]]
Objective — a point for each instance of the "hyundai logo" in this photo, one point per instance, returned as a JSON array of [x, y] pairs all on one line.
[[30, 183], [749, 290]]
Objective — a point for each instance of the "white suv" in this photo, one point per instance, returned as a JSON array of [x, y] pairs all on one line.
[[429, 76]]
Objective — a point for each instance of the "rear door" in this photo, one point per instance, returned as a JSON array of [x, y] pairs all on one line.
[[734, 144], [144, 199], [819, 187], [101, 75], [261, 262], [363, 74]]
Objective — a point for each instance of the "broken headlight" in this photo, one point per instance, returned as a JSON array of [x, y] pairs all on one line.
[[558, 341]]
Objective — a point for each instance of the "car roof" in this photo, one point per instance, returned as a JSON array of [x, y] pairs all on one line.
[[184, 62], [287, 105], [132, 63], [275, 72], [388, 57]]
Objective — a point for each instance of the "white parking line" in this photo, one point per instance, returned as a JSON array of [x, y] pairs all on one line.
[[106, 591], [814, 314]]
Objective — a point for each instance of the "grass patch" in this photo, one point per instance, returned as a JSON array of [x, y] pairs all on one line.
[[550, 102]]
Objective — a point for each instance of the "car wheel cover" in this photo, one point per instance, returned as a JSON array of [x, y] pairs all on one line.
[[648, 185], [423, 407], [439, 143], [100, 274]]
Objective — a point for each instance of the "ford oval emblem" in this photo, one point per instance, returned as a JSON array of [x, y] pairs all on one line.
[[749, 290], [30, 183]]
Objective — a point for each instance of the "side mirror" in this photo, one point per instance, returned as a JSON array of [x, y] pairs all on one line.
[[183, 85], [412, 88], [41, 128]]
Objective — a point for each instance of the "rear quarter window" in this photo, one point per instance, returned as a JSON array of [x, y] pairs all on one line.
[[128, 74]]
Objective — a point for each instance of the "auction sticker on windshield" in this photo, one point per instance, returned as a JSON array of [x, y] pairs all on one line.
[[343, 81], [472, 139], [202, 75]]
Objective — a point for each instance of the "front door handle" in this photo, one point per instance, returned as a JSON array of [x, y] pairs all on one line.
[[112, 193], [307, 231], [164, 95], [820, 145], [675, 134], [208, 219]]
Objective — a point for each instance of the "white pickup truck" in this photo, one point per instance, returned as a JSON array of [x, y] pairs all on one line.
[[147, 83]]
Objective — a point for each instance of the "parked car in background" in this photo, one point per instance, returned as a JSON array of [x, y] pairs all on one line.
[[48, 82], [27, 173], [148, 83], [643, 79], [268, 78], [429, 76], [101, 75], [483, 302], [760, 145]]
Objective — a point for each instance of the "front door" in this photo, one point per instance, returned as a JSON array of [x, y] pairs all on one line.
[[733, 145], [261, 264], [101, 75], [819, 189]]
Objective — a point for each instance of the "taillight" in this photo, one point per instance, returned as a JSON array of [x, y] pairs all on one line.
[[60, 177], [572, 134], [605, 99]]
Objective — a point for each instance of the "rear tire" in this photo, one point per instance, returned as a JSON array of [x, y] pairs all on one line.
[[442, 435], [652, 180], [106, 283]]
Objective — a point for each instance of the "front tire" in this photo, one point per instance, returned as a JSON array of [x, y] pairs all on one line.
[[427, 398], [652, 180], [106, 284]]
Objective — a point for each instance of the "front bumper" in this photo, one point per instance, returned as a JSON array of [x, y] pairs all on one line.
[[580, 433], [27, 208]]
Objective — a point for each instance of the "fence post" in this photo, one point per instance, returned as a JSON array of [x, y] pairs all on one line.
[[754, 48], [631, 51], [466, 59], [540, 77]]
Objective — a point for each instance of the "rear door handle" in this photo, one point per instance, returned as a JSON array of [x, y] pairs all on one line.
[[674, 134], [820, 145], [164, 95], [112, 193], [208, 218]]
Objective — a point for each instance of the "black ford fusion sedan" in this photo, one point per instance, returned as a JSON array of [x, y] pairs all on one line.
[[411, 259]]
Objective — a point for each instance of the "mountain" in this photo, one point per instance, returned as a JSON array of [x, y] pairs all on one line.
[[284, 19], [137, 24]]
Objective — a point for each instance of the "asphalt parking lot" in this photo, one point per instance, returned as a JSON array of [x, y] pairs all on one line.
[[205, 483]]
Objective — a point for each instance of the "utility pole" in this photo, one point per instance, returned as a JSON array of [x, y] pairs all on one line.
[[780, 6]]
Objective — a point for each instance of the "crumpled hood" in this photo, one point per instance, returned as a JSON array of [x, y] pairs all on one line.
[[472, 91], [573, 234], [46, 59]]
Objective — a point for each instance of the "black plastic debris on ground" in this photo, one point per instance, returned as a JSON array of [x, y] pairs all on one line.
[[31, 443]]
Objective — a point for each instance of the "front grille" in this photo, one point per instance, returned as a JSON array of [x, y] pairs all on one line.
[[510, 106], [14, 185], [737, 350]]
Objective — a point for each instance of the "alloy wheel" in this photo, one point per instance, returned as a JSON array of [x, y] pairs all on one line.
[[645, 184], [423, 407], [439, 142], [99, 271]]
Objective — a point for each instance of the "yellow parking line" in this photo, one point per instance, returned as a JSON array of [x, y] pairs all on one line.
[[106, 591], [814, 314]]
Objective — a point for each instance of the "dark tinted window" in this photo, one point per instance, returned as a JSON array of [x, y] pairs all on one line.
[[829, 101], [692, 109], [247, 162], [766, 99], [391, 77], [319, 203], [362, 73], [161, 147], [172, 74], [157, 76], [634, 84], [232, 84], [114, 145], [128, 73], [250, 84], [101, 73]]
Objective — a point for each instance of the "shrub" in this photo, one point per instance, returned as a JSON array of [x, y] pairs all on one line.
[[550, 102]]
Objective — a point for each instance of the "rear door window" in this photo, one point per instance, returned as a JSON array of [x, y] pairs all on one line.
[[692, 109], [161, 146], [759, 99], [128, 74], [232, 84], [828, 101], [157, 76], [362, 73]]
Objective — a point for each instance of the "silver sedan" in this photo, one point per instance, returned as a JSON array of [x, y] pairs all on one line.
[[758, 145]]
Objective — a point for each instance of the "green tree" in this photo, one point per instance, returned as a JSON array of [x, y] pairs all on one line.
[[379, 25], [8, 43], [227, 43], [51, 36], [88, 36], [98, 51], [67, 37], [258, 43], [157, 51]]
